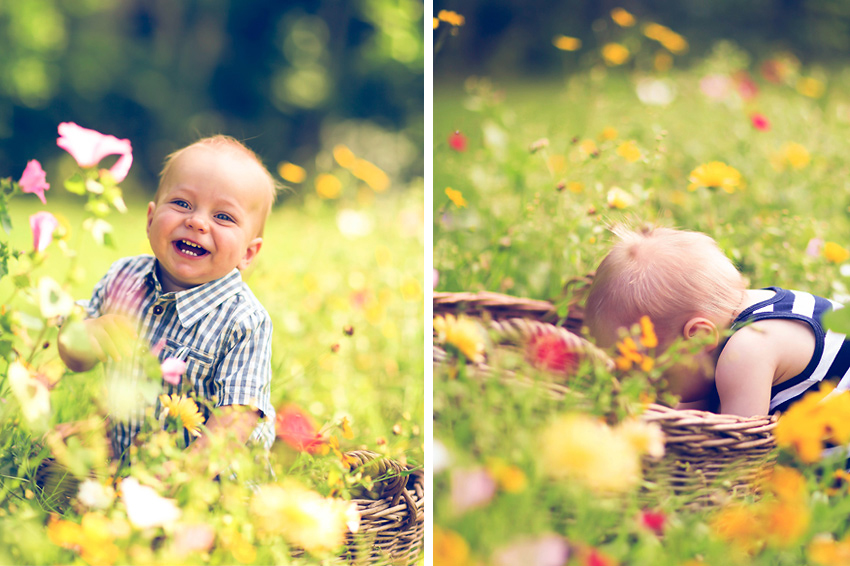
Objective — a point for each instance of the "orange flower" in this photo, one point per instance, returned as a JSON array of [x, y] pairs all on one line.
[[615, 54], [622, 18], [566, 43]]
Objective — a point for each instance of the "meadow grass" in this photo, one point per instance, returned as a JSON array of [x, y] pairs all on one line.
[[547, 168]]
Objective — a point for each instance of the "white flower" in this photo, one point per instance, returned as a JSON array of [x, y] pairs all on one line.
[[52, 299], [145, 507], [655, 92], [99, 228], [353, 224], [95, 495], [31, 394]]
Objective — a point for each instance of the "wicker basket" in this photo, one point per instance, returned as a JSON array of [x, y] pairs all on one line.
[[392, 527], [708, 457]]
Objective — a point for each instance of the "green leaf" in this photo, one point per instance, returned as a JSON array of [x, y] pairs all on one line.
[[837, 321], [5, 219], [76, 184]]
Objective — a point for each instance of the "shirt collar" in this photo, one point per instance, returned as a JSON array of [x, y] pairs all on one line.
[[195, 303]]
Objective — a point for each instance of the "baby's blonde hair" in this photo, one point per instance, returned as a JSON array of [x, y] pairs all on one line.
[[221, 141], [666, 274]]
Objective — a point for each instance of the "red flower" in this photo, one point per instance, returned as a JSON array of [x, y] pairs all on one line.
[[551, 352], [457, 141], [296, 428], [596, 558], [654, 521], [747, 87], [760, 122]]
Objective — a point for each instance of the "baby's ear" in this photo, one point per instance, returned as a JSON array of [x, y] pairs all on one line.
[[703, 329], [250, 253]]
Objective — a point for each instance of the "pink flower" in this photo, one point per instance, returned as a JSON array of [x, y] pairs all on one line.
[[42, 225], [88, 147], [172, 370], [551, 352], [193, 538], [34, 180], [436, 278], [654, 521], [747, 87], [760, 122], [544, 550], [814, 247], [457, 141], [296, 428], [471, 488], [715, 86]]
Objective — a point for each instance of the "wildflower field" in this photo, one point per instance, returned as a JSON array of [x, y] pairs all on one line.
[[528, 178], [340, 273]]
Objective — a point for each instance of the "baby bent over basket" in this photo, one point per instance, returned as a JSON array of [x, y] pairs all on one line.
[[709, 458]]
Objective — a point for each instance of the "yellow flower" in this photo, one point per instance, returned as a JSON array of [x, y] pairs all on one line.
[[557, 163], [646, 438], [452, 18], [303, 517], [788, 484], [584, 449], [575, 187], [615, 54], [715, 174], [291, 172], [328, 186], [622, 18], [371, 174], [436, 23], [820, 416], [344, 156], [456, 197], [463, 333], [185, 410], [566, 43], [671, 40], [647, 333], [629, 151], [740, 526], [608, 133], [793, 154], [808, 86], [785, 522], [450, 549], [827, 551], [835, 253], [620, 199], [588, 148], [510, 478], [92, 538]]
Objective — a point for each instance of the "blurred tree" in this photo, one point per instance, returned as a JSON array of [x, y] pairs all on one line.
[[514, 37], [290, 78]]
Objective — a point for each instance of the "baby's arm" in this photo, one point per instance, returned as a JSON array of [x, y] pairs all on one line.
[[109, 336], [745, 372]]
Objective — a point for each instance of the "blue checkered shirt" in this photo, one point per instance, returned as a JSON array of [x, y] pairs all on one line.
[[219, 329]]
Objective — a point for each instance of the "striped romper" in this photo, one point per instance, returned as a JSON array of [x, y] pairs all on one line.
[[831, 359]]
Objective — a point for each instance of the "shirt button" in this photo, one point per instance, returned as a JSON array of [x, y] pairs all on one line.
[[157, 310]]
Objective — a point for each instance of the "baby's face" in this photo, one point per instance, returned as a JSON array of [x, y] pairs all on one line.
[[207, 218]]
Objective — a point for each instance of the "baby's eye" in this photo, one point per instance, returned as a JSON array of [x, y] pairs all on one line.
[[225, 217], [180, 202]]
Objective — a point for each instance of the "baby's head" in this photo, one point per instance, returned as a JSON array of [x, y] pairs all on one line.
[[672, 276], [209, 212]]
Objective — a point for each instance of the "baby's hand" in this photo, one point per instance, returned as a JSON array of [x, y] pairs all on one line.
[[112, 336]]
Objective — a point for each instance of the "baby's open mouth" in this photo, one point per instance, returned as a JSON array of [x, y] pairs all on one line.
[[190, 248]]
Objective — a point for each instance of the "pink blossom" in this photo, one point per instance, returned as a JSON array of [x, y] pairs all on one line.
[[471, 488], [172, 370], [457, 141], [544, 550], [436, 277], [760, 122], [747, 87], [814, 246], [193, 538], [715, 86], [88, 147], [34, 180], [654, 521], [42, 225]]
